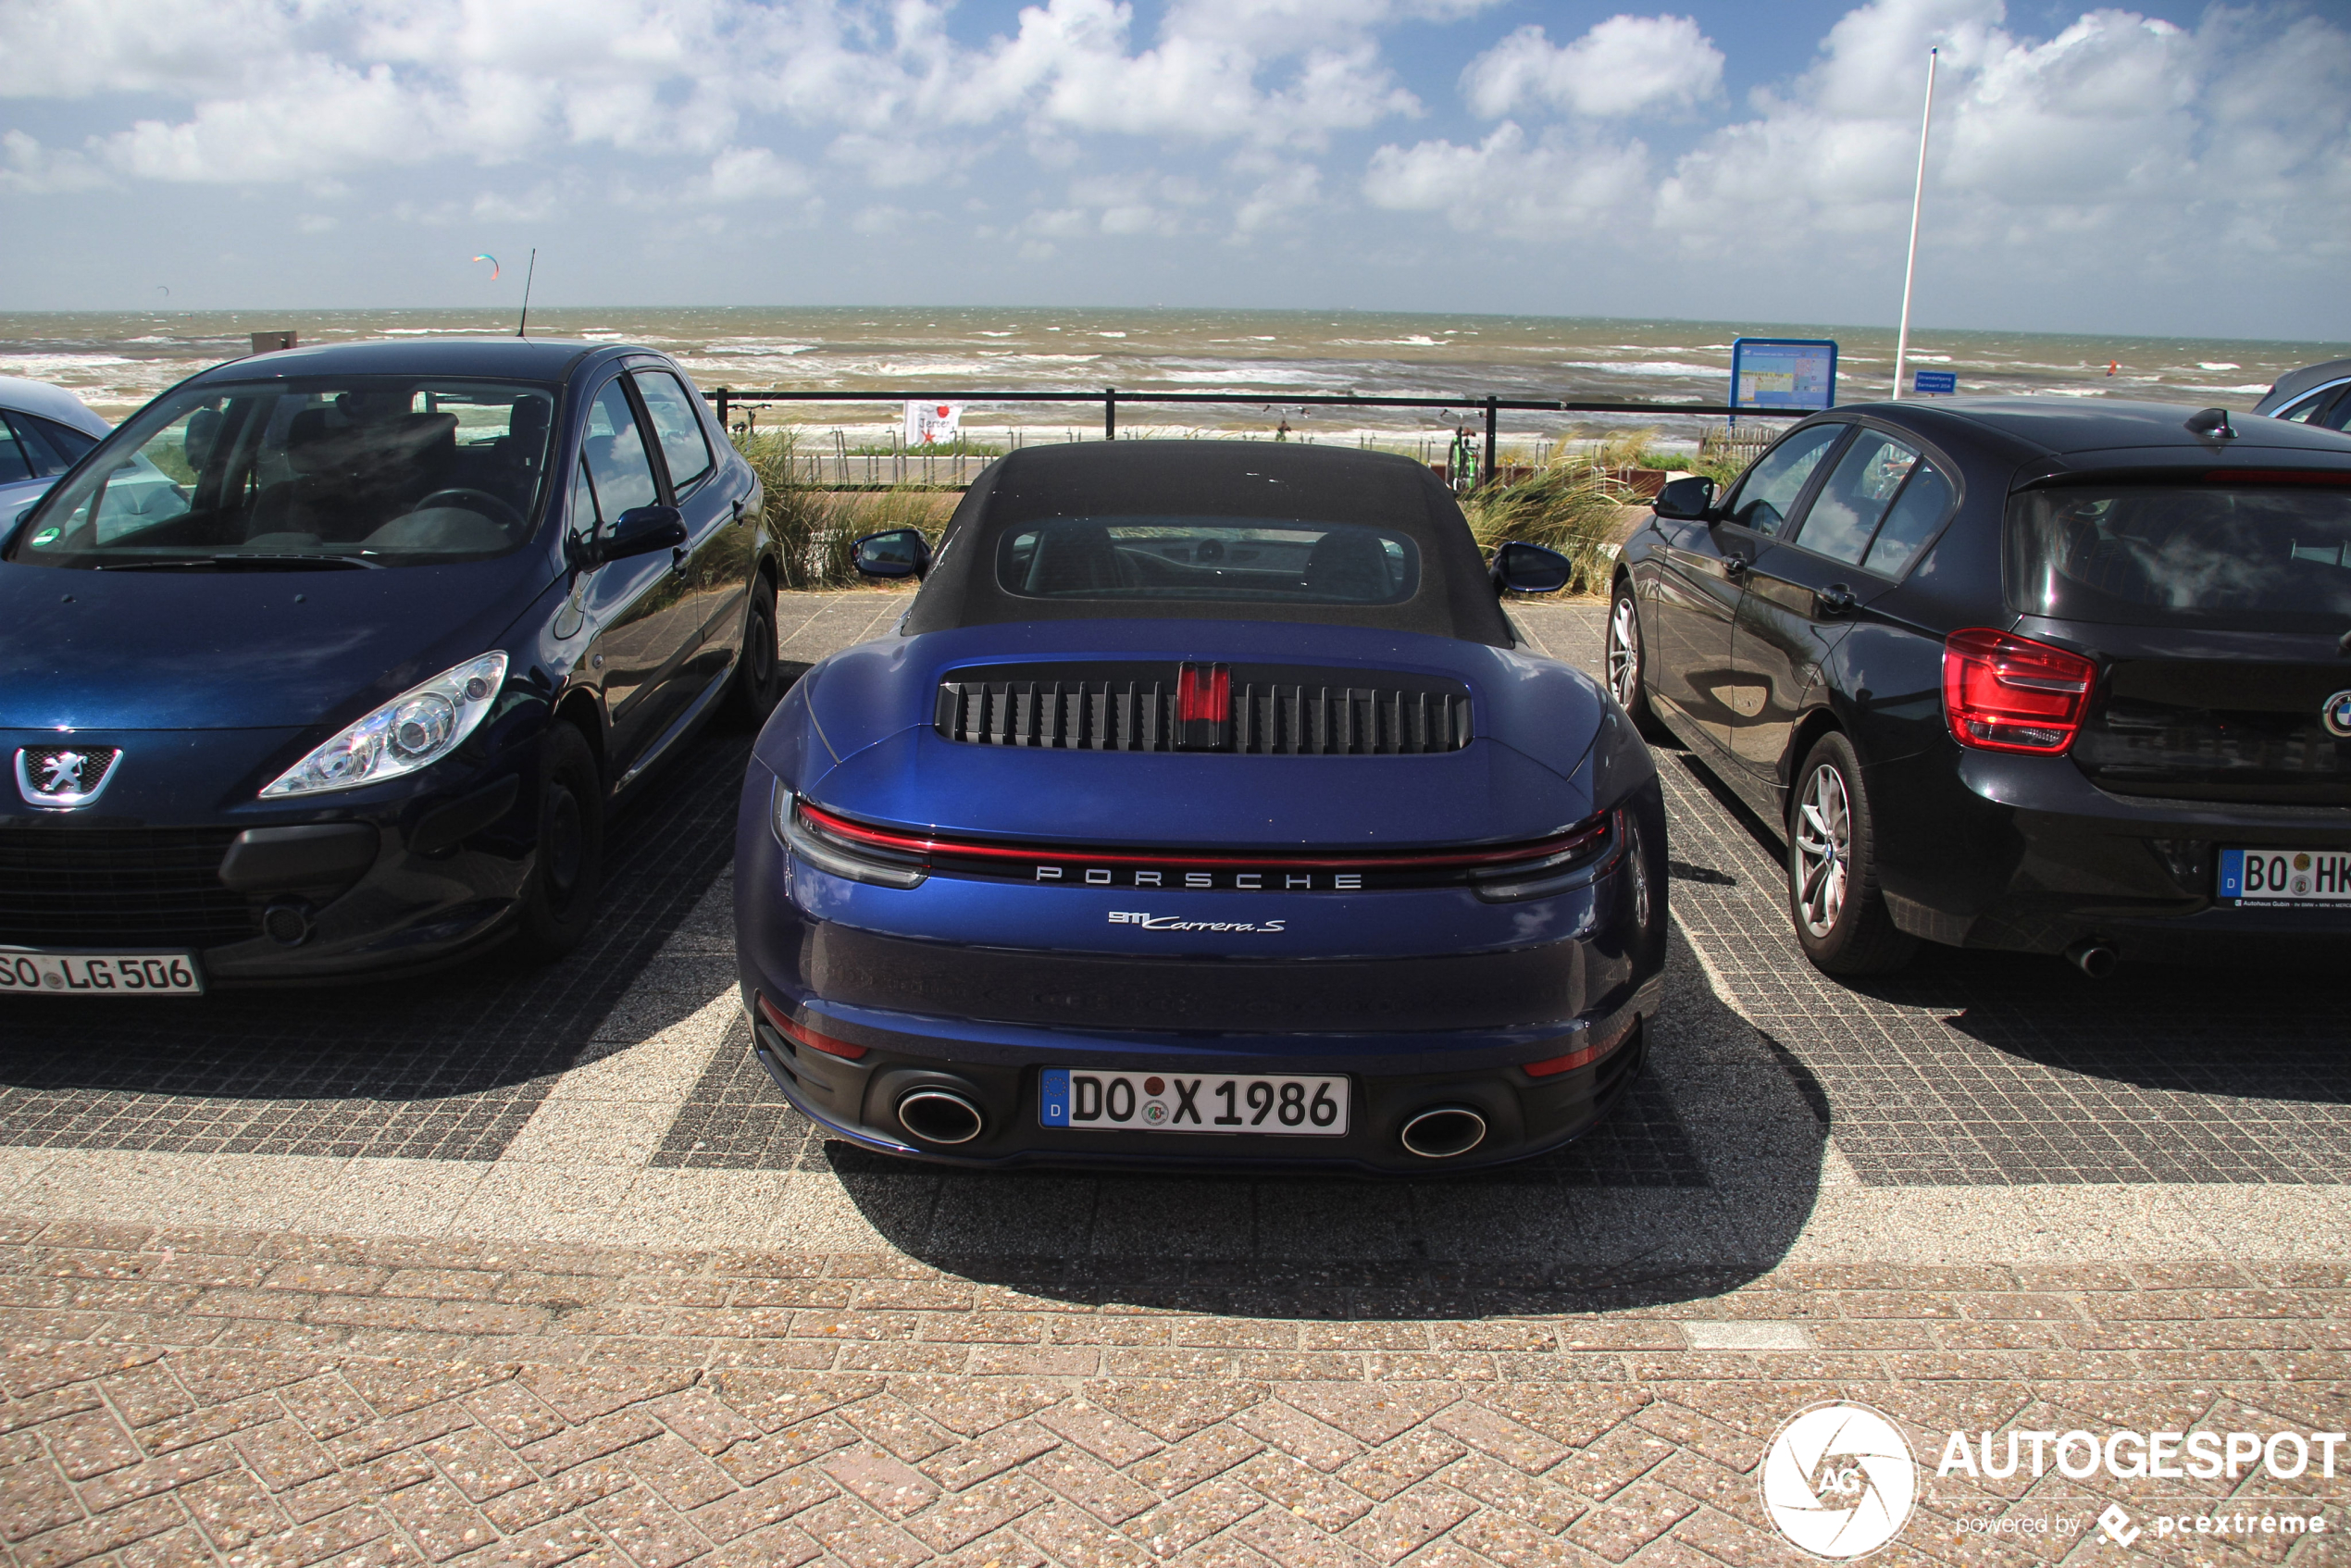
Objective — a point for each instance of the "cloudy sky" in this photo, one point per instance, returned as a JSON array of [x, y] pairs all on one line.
[[2177, 167]]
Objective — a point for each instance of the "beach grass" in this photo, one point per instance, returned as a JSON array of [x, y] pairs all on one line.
[[814, 529]]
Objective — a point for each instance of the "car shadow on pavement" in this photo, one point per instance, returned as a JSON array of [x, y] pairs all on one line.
[[446, 1065], [1699, 1182], [1972, 1066]]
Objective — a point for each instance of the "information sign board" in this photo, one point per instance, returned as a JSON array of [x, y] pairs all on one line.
[[1935, 381], [1784, 373]]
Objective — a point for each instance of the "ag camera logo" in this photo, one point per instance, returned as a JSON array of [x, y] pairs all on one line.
[[1838, 1480]]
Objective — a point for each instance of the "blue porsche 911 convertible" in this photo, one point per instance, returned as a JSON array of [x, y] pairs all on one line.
[[1204, 809]]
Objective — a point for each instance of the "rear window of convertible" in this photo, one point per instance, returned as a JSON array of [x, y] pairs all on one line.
[[1211, 530], [1263, 560]]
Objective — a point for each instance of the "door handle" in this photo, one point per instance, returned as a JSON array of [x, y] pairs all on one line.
[[1834, 600], [739, 506]]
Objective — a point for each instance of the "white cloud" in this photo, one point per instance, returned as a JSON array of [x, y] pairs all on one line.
[[1510, 184], [2122, 132], [1625, 66], [748, 174]]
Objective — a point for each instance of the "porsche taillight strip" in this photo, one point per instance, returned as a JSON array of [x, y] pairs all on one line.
[[1589, 836], [1205, 708]]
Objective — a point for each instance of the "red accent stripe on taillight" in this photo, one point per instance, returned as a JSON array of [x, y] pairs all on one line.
[[1584, 833], [1203, 692], [807, 1036], [2006, 693]]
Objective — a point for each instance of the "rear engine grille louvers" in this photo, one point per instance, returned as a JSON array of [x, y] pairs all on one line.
[[1273, 710]]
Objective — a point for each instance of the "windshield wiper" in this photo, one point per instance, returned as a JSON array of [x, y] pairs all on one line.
[[284, 562]]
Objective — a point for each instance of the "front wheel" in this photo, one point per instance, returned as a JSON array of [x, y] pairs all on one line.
[[560, 904], [1833, 895], [1626, 666]]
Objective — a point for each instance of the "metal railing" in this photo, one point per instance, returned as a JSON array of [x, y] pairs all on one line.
[[727, 400]]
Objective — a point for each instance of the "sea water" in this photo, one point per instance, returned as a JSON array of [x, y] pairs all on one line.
[[117, 362]]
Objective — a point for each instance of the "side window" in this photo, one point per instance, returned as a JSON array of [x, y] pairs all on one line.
[[51, 448], [682, 441], [585, 520], [1916, 514], [2339, 415], [15, 463], [1768, 492], [614, 450], [1854, 499]]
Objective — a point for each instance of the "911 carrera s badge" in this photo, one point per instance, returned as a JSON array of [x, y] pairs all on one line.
[[2335, 713], [1150, 922], [60, 777]]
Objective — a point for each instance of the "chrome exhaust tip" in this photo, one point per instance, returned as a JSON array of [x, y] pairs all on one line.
[[1443, 1132], [2093, 958], [939, 1116]]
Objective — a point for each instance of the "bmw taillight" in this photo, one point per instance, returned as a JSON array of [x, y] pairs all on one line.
[[2008, 693]]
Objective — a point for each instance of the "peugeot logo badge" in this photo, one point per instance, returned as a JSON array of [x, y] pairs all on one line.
[[2335, 713], [61, 777]]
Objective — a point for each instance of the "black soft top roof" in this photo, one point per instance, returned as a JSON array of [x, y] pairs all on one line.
[[1247, 482]]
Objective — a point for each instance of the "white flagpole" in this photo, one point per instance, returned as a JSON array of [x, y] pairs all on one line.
[[1918, 199]]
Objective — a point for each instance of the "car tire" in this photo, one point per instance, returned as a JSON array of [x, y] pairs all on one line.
[[1628, 663], [757, 684], [1833, 894], [567, 872]]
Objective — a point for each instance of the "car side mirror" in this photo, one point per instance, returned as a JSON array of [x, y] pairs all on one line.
[[1529, 568], [640, 531], [1689, 499], [899, 552]]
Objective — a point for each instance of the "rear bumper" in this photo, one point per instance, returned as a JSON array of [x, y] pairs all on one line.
[[1410, 1032], [998, 1068], [2024, 853]]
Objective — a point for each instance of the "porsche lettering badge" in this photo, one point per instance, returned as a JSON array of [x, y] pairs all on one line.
[[1247, 881]]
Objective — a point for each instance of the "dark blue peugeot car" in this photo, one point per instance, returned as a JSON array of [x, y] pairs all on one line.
[[1206, 807], [330, 662]]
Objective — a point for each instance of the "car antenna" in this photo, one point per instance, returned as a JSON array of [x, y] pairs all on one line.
[[528, 275], [2211, 422]]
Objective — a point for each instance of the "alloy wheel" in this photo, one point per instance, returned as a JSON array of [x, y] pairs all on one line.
[[1624, 651], [1824, 836]]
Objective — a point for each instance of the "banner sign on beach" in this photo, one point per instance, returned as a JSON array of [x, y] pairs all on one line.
[[1782, 373], [1935, 381], [928, 424]]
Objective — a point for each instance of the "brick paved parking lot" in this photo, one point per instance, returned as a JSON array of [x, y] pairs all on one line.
[[536, 1267]]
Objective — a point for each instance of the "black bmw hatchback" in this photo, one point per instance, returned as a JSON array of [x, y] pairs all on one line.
[[2017, 675], [329, 662]]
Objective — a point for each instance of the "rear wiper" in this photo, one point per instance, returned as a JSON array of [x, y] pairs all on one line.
[[287, 562]]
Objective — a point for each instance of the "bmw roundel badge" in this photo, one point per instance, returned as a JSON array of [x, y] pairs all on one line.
[[2335, 713]]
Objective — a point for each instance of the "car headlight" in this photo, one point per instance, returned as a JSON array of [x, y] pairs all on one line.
[[415, 729]]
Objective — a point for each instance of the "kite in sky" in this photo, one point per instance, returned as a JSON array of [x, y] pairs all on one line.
[[493, 265]]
